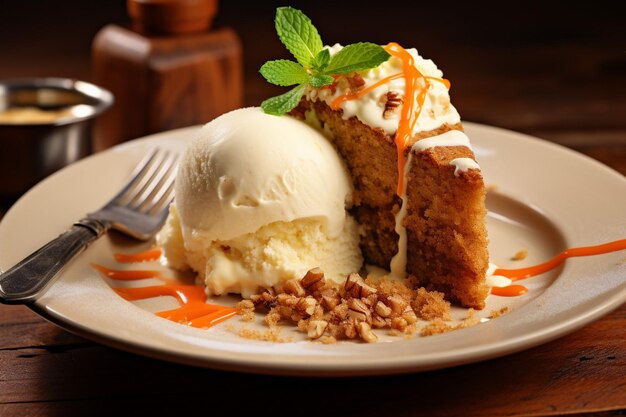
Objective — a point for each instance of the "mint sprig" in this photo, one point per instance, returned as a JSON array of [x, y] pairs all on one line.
[[284, 72], [283, 103], [357, 57], [315, 66], [298, 34]]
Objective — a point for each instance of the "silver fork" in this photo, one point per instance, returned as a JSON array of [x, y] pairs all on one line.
[[138, 210]]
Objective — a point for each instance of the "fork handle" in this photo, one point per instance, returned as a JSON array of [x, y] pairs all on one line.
[[26, 280]]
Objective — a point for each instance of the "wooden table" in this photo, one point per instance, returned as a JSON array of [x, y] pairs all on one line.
[[558, 73]]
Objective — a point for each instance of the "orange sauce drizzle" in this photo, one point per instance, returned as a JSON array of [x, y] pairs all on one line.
[[125, 275], [148, 255], [416, 86], [531, 271], [509, 291], [193, 310]]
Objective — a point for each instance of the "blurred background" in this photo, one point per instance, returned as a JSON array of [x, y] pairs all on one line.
[[552, 69]]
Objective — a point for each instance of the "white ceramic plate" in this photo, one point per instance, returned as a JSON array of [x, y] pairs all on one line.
[[546, 198]]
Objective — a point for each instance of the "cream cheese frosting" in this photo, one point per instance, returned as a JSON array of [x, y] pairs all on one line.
[[436, 111]]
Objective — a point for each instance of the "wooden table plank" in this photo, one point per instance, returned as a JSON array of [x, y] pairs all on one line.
[[21, 327], [582, 372]]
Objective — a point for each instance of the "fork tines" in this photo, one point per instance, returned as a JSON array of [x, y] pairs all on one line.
[[152, 187]]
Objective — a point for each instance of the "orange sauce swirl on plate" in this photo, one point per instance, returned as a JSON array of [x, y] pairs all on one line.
[[193, 310], [531, 271]]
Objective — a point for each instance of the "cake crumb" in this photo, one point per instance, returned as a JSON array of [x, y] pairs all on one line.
[[498, 313], [491, 188], [520, 255], [436, 326], [430, 305], [470, 320], [245, 308], [272, 318], [270, 335]]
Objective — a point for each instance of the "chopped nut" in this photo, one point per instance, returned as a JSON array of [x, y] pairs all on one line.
[[264, 299], [318, 313], [397, 304], [370, 300], [336, 330], [340, 312], [356, 287], [327, 312], [352, 83], [366, 333], [358, 310], [382, 310], [307, 305], [399, 323], [409, 315], [356, 82], [293, 287], [351, 282], [330, 298], [316, 328], [313, 280], [392, 101], [284, 311], [410, 330], [379, 322], [296, 316], [328, 340], [349, 329]]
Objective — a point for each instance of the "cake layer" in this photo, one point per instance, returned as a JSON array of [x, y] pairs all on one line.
[[445, 225]]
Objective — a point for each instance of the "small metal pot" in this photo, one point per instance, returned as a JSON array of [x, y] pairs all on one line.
[[30, 150]]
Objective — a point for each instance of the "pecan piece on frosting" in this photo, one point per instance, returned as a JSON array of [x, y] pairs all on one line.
[[392, 101]]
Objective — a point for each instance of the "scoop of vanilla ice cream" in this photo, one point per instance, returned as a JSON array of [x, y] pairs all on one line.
[[260, 199]]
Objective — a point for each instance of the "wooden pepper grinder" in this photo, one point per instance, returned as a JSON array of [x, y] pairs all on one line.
[[167, 71]]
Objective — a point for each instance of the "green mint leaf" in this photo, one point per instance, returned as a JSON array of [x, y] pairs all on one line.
[[319, 81], [357, 57], [284, 72], [321, 59], [296, 31], [284, 103]]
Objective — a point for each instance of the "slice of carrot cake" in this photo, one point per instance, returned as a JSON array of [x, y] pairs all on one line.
[[418, 191]]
